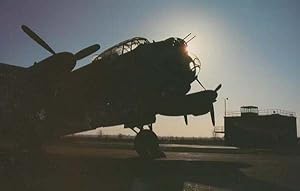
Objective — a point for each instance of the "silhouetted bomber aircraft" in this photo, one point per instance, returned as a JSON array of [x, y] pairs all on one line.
[[127, 84]]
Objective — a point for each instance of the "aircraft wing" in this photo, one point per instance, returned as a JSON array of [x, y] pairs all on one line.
[[6, 68]]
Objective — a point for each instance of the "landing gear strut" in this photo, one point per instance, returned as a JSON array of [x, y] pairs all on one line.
[[146, 144]]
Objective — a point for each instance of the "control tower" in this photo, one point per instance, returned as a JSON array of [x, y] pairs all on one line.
[[260, 128]]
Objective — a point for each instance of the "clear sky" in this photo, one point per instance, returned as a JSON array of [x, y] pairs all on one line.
[[252, 47]]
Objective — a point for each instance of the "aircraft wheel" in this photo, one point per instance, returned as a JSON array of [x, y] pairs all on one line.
[[146, 145]]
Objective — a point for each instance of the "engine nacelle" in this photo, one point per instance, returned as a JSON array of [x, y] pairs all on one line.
[[195, 104], [54, 66]]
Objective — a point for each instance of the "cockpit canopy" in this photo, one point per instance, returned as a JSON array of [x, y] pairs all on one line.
[[122, 48]]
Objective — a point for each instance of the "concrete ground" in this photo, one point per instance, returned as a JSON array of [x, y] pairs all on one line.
[[73, 167]]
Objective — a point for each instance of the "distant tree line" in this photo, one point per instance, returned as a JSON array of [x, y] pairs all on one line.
[[121, 138]]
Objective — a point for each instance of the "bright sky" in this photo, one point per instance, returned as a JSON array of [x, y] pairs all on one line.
[[250, 46]]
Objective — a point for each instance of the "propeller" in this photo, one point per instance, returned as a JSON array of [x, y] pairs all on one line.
[[86, 51], [200, 83], [211, 110], [212, 114], [218, 87], [37, 39], [78, 56], [185, 119]]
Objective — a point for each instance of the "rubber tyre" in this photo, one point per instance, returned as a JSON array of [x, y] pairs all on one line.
[[146, 144]]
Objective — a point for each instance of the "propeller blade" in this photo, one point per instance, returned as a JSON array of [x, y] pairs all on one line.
[[200, 83], [36, 38], [86, 51], [219, 86], [186, 119], [212, 114]]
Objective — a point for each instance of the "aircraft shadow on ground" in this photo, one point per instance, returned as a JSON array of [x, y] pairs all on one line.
[[61, 173]]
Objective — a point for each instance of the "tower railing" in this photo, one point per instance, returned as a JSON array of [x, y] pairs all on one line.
[[263, 112]]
